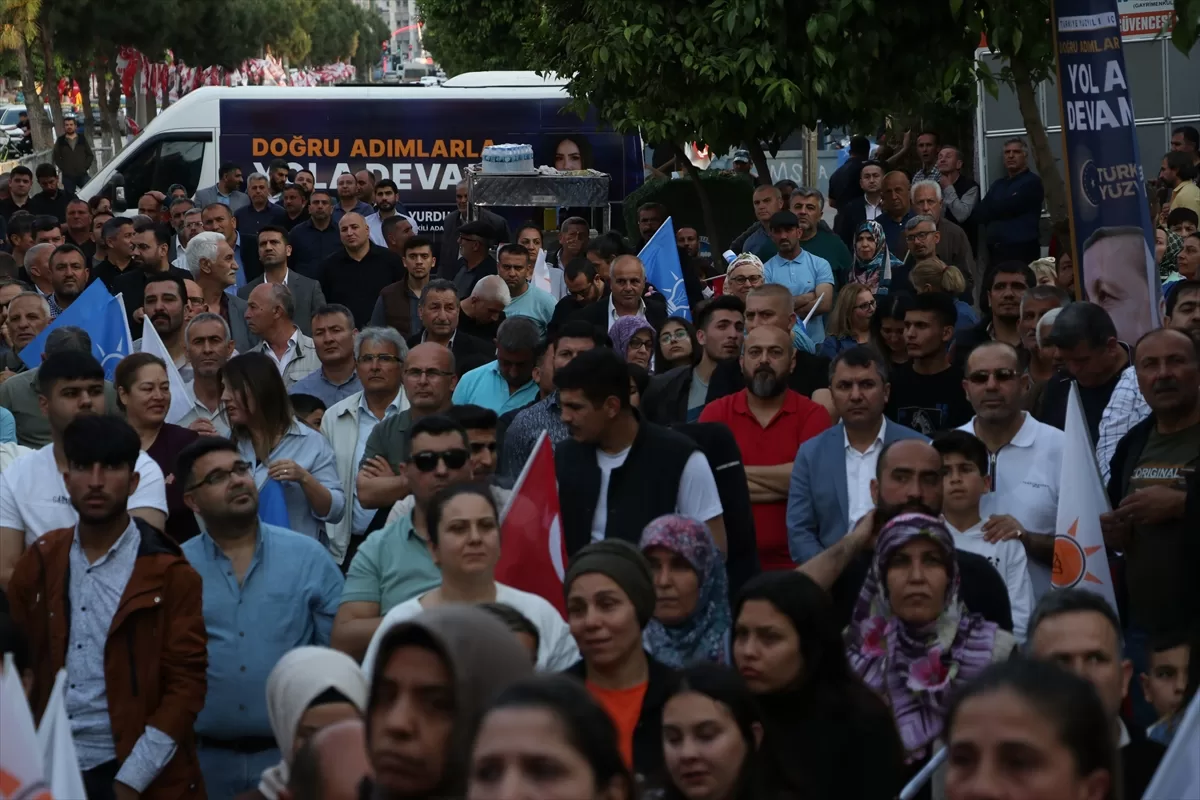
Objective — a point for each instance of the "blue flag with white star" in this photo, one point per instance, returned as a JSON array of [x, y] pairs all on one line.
[[663, 270], [102, 316]]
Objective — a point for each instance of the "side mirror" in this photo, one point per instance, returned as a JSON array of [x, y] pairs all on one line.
[[116, 185]]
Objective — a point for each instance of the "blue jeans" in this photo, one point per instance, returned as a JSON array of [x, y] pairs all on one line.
[[227, 773]]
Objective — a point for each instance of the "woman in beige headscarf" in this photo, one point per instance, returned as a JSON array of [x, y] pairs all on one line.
[[309, 689], [433, 677]]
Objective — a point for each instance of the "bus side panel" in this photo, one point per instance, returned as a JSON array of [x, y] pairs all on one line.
[[424, 145]]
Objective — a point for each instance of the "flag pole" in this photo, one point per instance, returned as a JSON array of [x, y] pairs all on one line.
[[516, 490]]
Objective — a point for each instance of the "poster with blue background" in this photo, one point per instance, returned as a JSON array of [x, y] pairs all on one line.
[[1112, 237]]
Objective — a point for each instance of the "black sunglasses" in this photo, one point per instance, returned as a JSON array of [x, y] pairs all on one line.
[[427, 460]]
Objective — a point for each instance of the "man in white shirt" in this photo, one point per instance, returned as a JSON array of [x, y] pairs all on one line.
[[830, 488], [464, 537], [1025, 458], [269, 313], [33, 496], [964, 481]]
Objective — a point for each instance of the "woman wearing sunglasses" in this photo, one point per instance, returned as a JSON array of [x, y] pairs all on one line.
[[463, 522]]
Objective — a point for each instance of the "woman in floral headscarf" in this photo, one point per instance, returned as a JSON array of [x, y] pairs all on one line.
[[873, 262], [910, 638], [691, 614], [633, 340], [1167, 245]]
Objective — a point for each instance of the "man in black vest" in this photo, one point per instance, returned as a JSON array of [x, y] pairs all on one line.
[[617, 473]]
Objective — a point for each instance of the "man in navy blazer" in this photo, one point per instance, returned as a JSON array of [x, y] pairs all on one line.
[[830, 487]]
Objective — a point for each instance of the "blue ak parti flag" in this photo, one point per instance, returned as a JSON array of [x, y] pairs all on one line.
[[663, 270], [102, 316]]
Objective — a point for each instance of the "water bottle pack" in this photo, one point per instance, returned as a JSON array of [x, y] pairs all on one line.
[[508, 158]]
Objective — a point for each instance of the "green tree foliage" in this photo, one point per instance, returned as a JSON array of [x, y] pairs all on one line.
[[469, 35]]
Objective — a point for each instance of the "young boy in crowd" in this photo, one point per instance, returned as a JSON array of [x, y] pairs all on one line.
[[1163, 684], [309, 409], [965, 481]]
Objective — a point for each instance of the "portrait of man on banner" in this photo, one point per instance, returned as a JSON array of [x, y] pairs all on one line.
[[1120, 275]]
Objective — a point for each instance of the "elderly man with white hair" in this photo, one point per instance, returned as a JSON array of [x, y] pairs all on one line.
[[211, 261], [270, 311], [379, 355], [261, 212], [37, 264], [954, 248], [483, 310]]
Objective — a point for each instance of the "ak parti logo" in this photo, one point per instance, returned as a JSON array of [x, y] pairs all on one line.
[[1071, 560], [15, 788]]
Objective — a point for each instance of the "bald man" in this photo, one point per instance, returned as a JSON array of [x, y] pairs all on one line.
[[355, 275], [908, 478], [331, 765], [626, 297], [769, 421], [897, 210]]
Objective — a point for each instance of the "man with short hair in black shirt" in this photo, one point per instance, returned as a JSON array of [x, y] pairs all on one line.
[[117, 234], [1092, 356], [20, 183], [53, 198], [355, 276], [772, 305], [927, 392]]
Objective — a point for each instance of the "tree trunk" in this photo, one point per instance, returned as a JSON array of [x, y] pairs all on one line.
[[106, 129], [114, 108], [39, 126], [759, 157], [706, 209], [80, 75], [1052, 180], [50, 82]]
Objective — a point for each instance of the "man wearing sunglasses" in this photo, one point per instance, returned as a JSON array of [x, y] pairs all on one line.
[[394, 564], [1026, 458]]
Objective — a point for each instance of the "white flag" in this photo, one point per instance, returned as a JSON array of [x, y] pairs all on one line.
[[181, 399], [541, 273], [21, 773], [1178, 775], [58, 748], [1079, 556]]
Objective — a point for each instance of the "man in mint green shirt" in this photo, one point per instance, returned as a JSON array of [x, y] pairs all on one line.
[[515, 267], [394, 563]]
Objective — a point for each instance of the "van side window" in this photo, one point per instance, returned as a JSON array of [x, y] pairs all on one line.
[[162, 163]]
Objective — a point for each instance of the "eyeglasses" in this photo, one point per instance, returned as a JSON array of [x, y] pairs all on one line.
[[742, 280], [639, 344], [415, 373], [479, 447], [918, 236], [867, 306], [195, 301], [677, 336], [383, 359], [980, 377], [427, 460], [220, 476]]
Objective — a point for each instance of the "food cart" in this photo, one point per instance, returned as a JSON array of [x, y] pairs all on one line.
[[584, 189]]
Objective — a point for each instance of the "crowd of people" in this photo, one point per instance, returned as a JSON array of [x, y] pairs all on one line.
[[808, 529]]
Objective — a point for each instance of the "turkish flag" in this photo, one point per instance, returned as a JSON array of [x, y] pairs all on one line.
[[532, 552]]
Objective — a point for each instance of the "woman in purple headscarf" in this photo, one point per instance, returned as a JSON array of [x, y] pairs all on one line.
[[633, 340], [910, 638]]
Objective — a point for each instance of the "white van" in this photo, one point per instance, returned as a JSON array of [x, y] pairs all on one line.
[[422, 137]]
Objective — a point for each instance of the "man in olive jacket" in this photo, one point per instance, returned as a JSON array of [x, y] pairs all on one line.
[[114, 602]]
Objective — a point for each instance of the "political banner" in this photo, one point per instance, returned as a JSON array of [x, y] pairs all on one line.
[[1111, 235], [102, 316], [660, 257], [423, 144]]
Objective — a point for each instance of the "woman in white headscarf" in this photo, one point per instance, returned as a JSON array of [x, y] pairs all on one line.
[[310, 688]]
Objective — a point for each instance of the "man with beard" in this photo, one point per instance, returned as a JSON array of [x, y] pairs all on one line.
[[68, 276], [245, 566], [388, 205], [809, 278], [769, 422], [1127, 407], [72, 594], [908, 477], [278, 172], [149, 246], [165, 301], [679, 394], [295, 204]]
